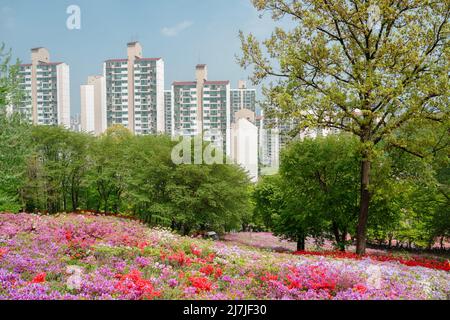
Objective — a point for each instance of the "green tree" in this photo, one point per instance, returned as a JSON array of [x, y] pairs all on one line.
[[56, 169], [419, 183], [10, 92], [147, 180], [322, 174], [268, 197], [214, 197], [15, 146], [14, 136], [108, 168], [364, 67]]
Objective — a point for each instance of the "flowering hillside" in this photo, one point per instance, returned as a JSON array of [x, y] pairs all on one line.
[[91, 257]]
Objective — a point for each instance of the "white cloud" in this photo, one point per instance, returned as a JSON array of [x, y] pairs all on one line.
[[175, 30]]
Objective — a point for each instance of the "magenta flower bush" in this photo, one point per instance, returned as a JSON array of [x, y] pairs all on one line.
[[91, 257]]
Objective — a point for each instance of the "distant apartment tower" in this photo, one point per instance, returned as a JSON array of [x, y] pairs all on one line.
[[46, 87], [168, 111], [135, 92], [275, 135], [269, 143], [93, 105], [242, 98], [203, 107], [75, 123]]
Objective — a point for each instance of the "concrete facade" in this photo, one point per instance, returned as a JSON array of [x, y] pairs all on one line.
[[242, 98], [135, 92], [46, 87], [244, 142], [203, 107], [93, 105]]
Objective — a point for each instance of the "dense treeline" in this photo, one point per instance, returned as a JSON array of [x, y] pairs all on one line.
[[51, 169], [316, 192]]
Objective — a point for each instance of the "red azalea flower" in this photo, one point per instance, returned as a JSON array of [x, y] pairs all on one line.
[[68, 235], [133, 283], [360, 288], [201, 284], [3, 251], [293, 283], [163, 256], [151, 295], [269, 277], [207, 270], [142, 245], [211, 257], [201, 261], [196, 251], [218, 273], [320, 280], [40, 278], [126, 240], [180, 258]]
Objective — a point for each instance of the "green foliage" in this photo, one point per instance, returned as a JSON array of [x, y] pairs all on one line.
[[268, 198], [212, 197], [10, 93], [316, 193], [323, 176], [15, 138], [121, 173], [370, 68], [417, 185]]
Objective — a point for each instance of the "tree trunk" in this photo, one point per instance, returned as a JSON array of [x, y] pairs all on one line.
[[340, 240], [64, 200], [344, 239], [173, 225], [301, 243], [336, 232], [74, 194], [186, 229], [363, 207], [74, 200]]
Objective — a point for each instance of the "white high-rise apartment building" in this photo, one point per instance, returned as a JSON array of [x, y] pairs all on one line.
[[93, 105], [168, 114], [46, 87], [202, 107], [242, 98], [135, 92], [244, 142], [269, 144]]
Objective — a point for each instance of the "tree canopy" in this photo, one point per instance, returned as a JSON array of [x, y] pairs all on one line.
[[370, 68]]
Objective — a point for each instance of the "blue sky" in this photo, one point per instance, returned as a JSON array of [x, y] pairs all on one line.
[[182, 32]]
